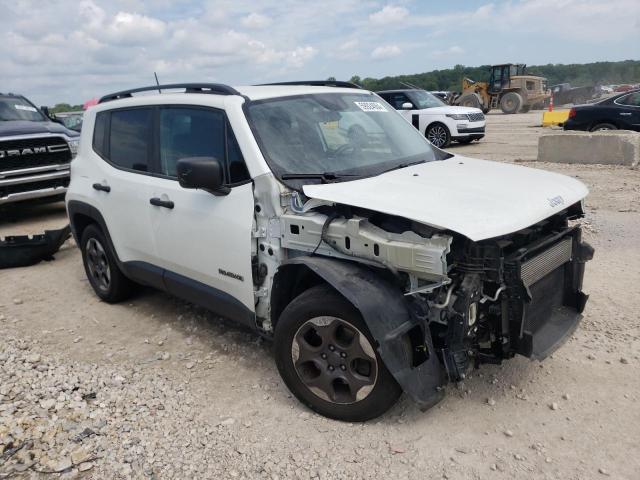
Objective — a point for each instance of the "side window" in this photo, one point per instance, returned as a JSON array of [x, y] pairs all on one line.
[[100, 134], [632, 100], [237, 168], [198, 132], [189, 132], [397, 99], [130, 138]]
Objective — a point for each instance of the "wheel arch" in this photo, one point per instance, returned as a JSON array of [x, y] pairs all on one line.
[[608, 120], [81, 215], [384, 309]]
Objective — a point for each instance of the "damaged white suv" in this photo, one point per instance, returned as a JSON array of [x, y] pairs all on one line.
[[321, 218]]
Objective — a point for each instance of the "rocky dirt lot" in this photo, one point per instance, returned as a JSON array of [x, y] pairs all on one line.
[[157, 388]]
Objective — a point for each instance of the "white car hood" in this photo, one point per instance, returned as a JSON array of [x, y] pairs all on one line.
[[476, 198], [448, 110]]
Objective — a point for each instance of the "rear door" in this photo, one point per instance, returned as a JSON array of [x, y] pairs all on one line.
[[203, 241], [628, 111], [120, 183]]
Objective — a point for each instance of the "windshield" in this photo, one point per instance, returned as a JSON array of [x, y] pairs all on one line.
[[341, 133], [423, 99], [17, 108]]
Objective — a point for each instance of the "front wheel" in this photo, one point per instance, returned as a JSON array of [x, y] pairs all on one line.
[[326, 357], [438, 135]]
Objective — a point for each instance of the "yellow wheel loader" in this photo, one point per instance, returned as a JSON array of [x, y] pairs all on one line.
[[508, 88]]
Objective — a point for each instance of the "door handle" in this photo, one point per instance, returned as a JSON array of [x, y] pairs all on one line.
[[158, 202], [101, 187]]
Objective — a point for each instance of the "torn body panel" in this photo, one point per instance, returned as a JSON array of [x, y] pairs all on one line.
[[25, 250], [392, 322]]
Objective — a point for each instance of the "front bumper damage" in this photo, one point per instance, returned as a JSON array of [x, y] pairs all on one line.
[[25, 250], [544, 303]]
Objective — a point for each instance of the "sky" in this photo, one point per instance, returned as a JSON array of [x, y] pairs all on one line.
[[72, 50]]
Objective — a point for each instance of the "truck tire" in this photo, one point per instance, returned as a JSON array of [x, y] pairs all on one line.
[[511, 102], [102, 270], [327, 358], [470, 100]]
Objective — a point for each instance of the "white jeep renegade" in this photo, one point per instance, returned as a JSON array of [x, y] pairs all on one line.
[[322, 219]]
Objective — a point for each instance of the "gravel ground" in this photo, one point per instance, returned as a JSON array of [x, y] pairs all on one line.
[[158, 388]]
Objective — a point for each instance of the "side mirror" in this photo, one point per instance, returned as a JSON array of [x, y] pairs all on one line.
[[205, 173], [45, 110], [407, 106]]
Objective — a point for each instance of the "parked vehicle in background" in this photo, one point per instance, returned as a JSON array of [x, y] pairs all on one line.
[[35, 152], [321, 218], [621, 111], [564, 93], [509, 88], [439, 122], [71, 120]]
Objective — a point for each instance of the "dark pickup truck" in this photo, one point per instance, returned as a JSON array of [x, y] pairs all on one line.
[[564, 93], [35, 152]]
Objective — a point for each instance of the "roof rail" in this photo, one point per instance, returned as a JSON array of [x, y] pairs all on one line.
[[211, 88], [317, 83]]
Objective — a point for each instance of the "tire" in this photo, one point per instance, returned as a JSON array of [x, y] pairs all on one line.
[[438, 134], [314, 335], [469, 100], [603, 126], [102, 270], [511, 102]]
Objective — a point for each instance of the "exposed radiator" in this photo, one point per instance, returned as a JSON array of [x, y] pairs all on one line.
[[540, 266]]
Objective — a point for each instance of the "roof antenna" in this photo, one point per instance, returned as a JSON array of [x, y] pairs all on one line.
[[157, 82]]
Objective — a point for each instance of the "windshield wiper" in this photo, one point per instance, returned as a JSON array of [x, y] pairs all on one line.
[[325, 177], [404, 165]]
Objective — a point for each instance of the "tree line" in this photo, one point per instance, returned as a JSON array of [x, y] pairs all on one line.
[[579, 75]]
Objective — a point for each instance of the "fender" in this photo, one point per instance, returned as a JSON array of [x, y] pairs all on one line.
[[389, 318]]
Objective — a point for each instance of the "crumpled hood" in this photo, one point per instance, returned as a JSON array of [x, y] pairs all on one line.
[[23, 127], [476, 198]]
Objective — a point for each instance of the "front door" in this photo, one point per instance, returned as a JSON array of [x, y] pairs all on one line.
[[628, 111], [203, 241]]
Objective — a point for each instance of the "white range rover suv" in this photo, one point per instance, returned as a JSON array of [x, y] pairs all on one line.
[[439, 122], [320, 218]]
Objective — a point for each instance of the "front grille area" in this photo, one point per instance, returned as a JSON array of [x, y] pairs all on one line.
[[33, 152], [543, 264], [7, 190], [476, 117]]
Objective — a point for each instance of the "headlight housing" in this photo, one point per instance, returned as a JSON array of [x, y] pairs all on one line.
[[458, 116], [74, 144]]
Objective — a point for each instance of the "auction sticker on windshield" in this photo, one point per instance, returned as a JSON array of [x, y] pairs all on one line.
[[371, 106]]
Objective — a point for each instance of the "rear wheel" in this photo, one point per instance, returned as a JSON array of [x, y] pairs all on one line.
[[326, 357], [603, 126], [107, 280], [511, 102], [438, 135]]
